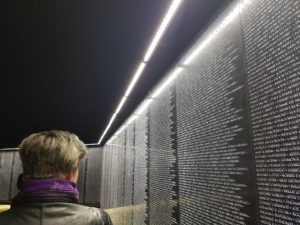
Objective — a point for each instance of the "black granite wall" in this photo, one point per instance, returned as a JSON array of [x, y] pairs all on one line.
[[220, 144]]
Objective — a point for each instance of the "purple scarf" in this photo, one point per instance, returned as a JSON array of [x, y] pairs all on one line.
[[48, 187]]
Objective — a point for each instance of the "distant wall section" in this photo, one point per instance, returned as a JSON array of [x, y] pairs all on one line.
[[88, 182]]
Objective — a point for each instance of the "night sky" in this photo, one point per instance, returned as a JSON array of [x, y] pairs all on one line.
[[66, 64]]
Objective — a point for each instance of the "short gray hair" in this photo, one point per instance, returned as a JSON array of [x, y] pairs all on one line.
[[51, 154]]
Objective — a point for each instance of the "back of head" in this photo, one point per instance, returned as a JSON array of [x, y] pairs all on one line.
[[51, 154]]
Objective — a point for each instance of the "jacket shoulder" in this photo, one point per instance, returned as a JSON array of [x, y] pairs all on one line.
[[98, 214], [53, 213]]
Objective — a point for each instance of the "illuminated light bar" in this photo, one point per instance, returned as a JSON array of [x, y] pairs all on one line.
[[144, 106], [147, 102], [111, 139], [167, 82], [120, 130], [108, 126], [105, 131], [112, 118], [92, 144], [171, 12], [229, 18], [121, 105], [162, 28], [135, 78], [132, 118]]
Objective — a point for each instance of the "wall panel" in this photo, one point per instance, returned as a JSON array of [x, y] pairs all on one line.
[[163, 194], [272, 37], [140, 194], [216, 177], [93, 176], [6, 160], [128, 179], [228, 142], [16, 171]]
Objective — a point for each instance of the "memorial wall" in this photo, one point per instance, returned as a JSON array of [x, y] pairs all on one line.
[[88, 181], [217, 140]]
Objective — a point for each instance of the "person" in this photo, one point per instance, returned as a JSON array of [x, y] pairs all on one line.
[[48, 193]]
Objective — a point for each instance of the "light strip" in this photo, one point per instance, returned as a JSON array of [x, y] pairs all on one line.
[[148, 101], [144, 106], [111, 139], [132, 118], [171, 12], [135, 78], [92, 144], [162, 28], [108, 126], [167, 82], [121, 105], [229, 18], [120, 130]]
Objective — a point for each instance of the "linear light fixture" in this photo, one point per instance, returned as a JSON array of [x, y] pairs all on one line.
[[147, 102], [167, 82], [135, 78], [121, 104], [171, 12], [144, 106], [227, 20], [131, 119], [161, 30], [120, 130]]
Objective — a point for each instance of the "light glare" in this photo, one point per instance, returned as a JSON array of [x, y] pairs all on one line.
[[132, 118], [167, 82], [228, 19], [135, 78], [171, 12], [144, 105], [120, 105]]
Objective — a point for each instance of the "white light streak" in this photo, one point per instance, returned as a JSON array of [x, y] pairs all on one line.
[[144, 106], [131, 119], [120, 105], [167, 82], [108, 126], [92, 144], [228, 19], [111, 139], [135, 78], [120, 130], [162, 28], [171, 12]]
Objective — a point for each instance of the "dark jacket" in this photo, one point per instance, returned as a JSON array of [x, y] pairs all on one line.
[[53, 213]]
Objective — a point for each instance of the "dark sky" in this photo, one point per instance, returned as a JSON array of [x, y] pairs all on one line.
[[66, 64]]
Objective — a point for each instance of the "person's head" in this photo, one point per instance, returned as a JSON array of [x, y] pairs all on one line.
[[51, 154]]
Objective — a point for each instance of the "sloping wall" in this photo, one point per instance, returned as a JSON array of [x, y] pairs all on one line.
[[219, 144]]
